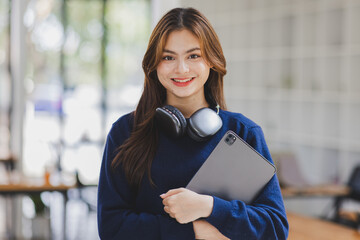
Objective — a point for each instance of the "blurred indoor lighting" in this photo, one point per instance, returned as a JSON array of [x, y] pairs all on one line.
[[90, 52], [72, 41], [130, 94], [48, 35]]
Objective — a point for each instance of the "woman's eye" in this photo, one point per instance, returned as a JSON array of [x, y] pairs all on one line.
[[194, 56], [167, 58]]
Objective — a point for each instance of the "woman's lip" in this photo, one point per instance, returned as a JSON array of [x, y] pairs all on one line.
[[183, 84]]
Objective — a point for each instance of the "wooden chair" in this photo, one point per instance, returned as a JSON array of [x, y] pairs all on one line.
[[345, 217], [288, 170]]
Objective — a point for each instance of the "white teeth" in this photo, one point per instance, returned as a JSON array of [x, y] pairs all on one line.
[[182, 81]]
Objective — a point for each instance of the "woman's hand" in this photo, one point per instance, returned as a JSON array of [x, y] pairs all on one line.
[[204, 230], [185, 205]]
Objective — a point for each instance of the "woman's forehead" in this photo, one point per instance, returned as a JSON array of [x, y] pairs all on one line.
[[182, 41]]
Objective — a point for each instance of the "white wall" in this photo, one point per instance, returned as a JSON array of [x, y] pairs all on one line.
[[160, 7]]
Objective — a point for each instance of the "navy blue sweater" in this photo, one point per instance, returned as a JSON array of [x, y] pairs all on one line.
[[124, 215]]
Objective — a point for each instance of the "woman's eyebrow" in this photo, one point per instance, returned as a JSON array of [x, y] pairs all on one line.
[[193, 49], [188, 51]]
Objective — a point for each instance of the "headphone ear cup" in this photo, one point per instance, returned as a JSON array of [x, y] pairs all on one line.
[[171, 120], [193, 135], [203, 124]]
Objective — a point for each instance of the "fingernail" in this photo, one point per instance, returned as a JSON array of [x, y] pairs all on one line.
[[162, 195]]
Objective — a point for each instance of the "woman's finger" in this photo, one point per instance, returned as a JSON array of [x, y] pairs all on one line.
[[166, 209], [171, 192]]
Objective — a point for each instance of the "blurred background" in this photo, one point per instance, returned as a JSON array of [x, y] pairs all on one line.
[[70, 68]]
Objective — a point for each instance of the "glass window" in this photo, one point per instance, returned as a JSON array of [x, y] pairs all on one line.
[[85, 68], [42, 128], [128, 25], [5, 82]]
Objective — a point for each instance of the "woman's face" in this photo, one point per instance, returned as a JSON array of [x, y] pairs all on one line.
[[183, 71]]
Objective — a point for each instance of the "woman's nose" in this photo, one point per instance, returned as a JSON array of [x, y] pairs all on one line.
[[182, 67]]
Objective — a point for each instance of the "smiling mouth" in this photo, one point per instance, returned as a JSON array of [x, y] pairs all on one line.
[[182, 80]]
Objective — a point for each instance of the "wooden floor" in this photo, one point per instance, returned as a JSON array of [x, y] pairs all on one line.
[[306, 228]]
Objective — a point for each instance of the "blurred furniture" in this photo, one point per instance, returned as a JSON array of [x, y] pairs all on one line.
[[87, 193], [288, 170], [349, 218], [294, 184], [26, 188], [302, 227], [330, 190]]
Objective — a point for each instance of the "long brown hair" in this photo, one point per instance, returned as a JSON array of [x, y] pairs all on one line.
[[135, 155]]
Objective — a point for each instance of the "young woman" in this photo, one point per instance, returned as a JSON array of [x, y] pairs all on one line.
[[151, 154]]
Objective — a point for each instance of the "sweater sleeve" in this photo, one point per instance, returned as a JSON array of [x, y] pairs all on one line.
[[117, 218], [264, 218]]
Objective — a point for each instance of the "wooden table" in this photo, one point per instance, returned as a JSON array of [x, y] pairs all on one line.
[[306, 228], [24, 188], [315, 191]]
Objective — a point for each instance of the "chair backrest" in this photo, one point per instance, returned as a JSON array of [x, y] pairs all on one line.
[[289, 172], [354, 182]]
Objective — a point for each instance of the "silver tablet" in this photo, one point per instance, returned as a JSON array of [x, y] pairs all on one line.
[[233, 171]]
